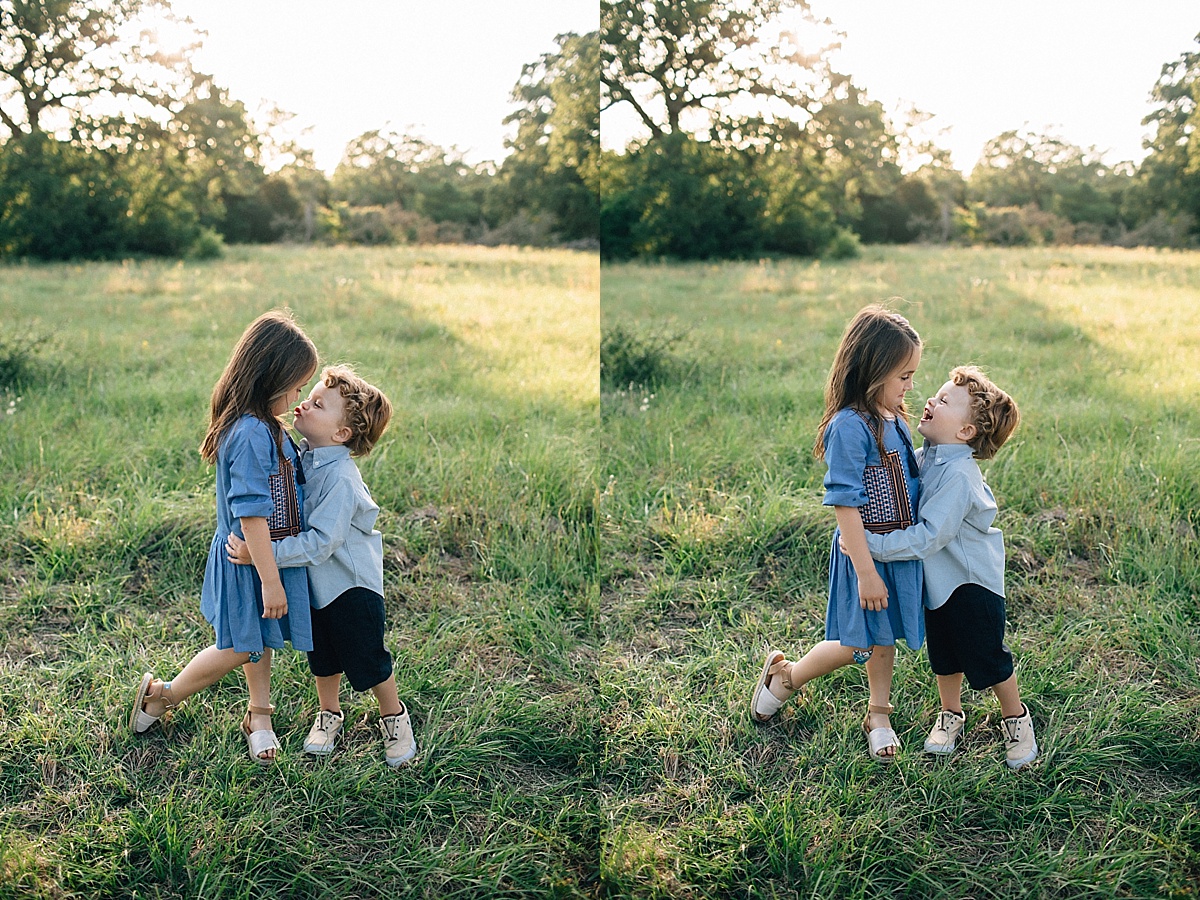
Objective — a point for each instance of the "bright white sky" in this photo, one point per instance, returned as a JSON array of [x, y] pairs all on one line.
[[442, 70], [1081, 70]]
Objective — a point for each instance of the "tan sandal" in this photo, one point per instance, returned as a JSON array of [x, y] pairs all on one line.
[[141, 721], [879, 739], [259, 742], [763, 703]]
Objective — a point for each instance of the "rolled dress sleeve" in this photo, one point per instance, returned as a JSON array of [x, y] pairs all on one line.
[[252, 460], [848, 445]]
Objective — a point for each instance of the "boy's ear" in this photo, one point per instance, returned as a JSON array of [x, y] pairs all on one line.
[[967, 432], [343, 434]]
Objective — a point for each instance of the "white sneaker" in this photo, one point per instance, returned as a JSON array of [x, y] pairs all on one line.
[[398, 743], [1020, 746], [322, 737], [944, 734]]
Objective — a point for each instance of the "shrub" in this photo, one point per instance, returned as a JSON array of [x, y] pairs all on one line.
[[844, 245], [637, 357], [18, 352], [207, 245]]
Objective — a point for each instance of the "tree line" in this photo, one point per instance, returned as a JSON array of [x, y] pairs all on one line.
[[113, 146], [757, 146]]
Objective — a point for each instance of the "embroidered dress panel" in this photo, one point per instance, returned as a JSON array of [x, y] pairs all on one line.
[[284, 520], [887, 508]]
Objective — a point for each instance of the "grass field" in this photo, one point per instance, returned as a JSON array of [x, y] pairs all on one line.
[[487, 489], [714, 545], [580, 586]]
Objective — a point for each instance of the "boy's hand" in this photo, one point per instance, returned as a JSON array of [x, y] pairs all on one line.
[[237, 551]]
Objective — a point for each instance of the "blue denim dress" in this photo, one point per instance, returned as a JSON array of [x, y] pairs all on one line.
[[849, 448], [231, 599]]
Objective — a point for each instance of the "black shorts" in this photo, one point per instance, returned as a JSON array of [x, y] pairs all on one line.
[[348, 639], [966, 634]]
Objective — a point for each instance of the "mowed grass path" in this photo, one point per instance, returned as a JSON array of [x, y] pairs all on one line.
[[714, 545], [487, 489]]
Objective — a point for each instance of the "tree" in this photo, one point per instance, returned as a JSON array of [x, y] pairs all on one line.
[[1168, 180], [1023, 170], [553, 168], [66, 58], [683, 64], [419, 183]]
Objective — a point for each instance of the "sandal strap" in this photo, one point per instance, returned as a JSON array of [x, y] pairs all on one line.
[[880, 710], [261, 710], [165, 695], [783, 669]]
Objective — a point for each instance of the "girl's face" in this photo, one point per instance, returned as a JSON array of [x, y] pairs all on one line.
[[286, 401], [899, 383]]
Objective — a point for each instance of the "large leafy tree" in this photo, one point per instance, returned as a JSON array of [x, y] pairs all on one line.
[[61, 60], [1019, 169], [1169, 177], [682, 65], [382, 168], [553, 168]]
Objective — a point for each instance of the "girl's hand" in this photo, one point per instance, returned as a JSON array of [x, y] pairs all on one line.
[[872, 592], [274, 602]]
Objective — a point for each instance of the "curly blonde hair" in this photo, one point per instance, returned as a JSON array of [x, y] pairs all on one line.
[[367, 410], [993, 412]]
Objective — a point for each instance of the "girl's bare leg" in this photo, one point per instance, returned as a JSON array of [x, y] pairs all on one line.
[[880, 667], [821, 659], [206, 668], [258, 680]]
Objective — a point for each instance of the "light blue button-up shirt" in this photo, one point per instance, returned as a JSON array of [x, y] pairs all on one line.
[[954, 533], [341, 546]]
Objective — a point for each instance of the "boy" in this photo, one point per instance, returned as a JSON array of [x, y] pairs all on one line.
[[343, 417], [969, 418]]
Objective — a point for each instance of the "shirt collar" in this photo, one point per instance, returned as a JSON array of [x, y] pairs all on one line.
[[940, 454], [323, 456]]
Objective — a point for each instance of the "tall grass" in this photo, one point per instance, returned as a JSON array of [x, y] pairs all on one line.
[[714, 546], [487, 490]]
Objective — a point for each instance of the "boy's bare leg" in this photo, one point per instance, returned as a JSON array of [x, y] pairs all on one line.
[[389, 700], [950, 692], [879, 668], [206, 668], [1010, 698], [329, 689]]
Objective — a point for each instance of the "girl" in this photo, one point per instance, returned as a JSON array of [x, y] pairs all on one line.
[[871, 483], [259, 496]]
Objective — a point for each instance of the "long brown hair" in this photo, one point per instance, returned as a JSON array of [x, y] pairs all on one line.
[[272, 357], [875, 344]]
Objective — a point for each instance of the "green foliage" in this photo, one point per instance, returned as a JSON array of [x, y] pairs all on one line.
[[552, 170], [1168, 181], [58, 201], [19, 357], [638, 357], [208, 245], [680, 198], [845, 245]]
